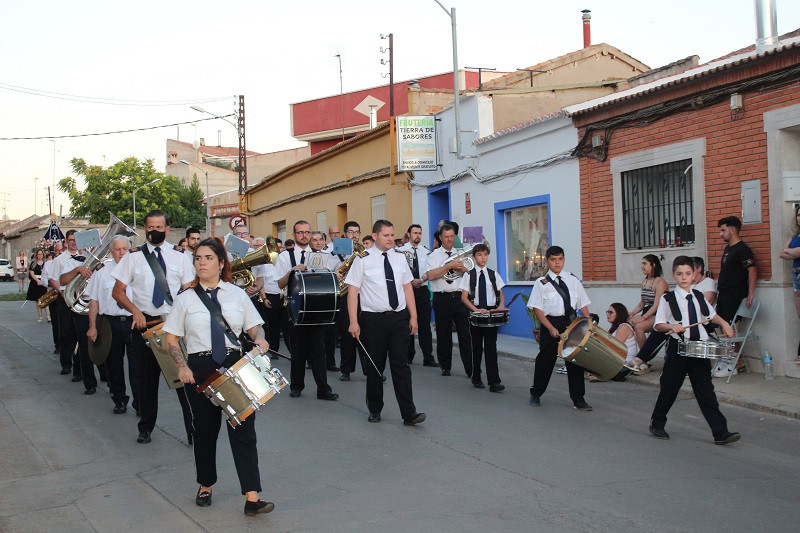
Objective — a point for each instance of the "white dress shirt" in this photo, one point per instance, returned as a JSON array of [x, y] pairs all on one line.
[[433, 261], [545, 297], [422, 256], [491, 299], [368, 274], [270, 279], [283, 264], [99, 289], [62, 264], [191, 319], [664, 312], [134, 271], [45, 275]]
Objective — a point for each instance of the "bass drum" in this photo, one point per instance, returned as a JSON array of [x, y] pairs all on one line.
[[312, 298], [592, 348]]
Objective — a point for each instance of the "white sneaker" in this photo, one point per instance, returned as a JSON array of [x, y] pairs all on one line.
[[724, 369], [39, 320], [561, 370]]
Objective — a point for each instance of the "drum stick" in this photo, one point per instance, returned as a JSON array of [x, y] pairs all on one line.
[[273, 352], [154, 322], [511, 301], [677, 336], [370, 359]]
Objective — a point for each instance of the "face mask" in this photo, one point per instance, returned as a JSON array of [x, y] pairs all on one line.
[[156, 237]]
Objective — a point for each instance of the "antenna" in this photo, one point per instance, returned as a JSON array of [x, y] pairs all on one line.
[[341, 89]]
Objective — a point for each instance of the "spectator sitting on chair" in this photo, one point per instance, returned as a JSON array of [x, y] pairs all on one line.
[[653, 286], [702, 280]]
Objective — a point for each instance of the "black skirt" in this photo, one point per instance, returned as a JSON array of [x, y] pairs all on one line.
[[35, 291]]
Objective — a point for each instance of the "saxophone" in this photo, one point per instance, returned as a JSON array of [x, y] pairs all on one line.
[[344, 268], [47, 298]]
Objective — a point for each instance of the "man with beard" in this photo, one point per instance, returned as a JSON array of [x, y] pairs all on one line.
[[422, 296]]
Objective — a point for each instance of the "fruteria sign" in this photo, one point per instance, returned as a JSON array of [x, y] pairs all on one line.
[[416, 143]]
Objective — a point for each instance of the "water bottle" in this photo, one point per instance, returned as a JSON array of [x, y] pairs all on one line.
[[769, 372]]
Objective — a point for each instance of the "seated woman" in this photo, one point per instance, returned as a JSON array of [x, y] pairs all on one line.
[[702, 281], [617, 316], [653, 286]]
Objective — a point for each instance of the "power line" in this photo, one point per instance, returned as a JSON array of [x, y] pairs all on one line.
[[111, 132], [106, 101]]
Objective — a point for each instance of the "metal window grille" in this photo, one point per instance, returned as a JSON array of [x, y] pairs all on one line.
[[657, 206]]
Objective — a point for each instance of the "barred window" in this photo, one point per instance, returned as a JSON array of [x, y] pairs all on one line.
[[657, 206]]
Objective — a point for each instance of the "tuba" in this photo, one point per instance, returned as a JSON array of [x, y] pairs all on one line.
[[344, 268], [465, 256], [240, 268], [74, 291]]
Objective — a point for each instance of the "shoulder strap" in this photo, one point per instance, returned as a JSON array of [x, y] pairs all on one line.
[[158, 272], [493, 279], [216, 313], [673, 305], [291, 257], [473, 280], [701, 301], [568, 310]]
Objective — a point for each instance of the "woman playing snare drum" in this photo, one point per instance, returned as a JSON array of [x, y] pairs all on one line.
[[208, 349]]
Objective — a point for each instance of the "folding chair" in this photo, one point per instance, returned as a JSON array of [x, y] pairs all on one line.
[[744, 319]]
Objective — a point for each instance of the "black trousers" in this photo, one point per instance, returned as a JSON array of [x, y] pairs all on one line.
[[149, 376], [122, 345], [307, 345], [422, 298], [272, 320], [81, 323], [675, 371], [652, 345], [546, 360], [728, 302], [68, 339], [207, 418], [484, 340], [54, 323], [449, 309], [386, 334], [331, 332], [348, 346]]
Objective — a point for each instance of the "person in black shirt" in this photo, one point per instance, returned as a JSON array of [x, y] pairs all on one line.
[[738, 274]]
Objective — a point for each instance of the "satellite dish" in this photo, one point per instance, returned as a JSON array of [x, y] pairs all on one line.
[[196, 144]]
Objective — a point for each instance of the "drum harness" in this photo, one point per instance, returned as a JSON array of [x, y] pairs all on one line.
[[158, 273], [672, 300], [473, 280]]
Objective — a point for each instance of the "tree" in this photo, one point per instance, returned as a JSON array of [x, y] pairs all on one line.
[[111, 189]]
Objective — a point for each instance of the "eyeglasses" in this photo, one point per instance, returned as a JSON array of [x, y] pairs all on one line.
[[302, 233], [352, 232], [241, 233]]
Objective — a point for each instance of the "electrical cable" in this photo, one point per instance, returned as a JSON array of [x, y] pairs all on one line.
[[106, 101], [111, 132]]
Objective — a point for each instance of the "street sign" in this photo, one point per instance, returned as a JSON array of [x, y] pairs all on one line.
[[236, 220]]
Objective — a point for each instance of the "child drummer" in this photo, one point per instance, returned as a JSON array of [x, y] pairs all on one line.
[[479, 298], [678, 310]]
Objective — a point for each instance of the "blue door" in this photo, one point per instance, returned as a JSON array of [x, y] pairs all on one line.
[[438, 208]]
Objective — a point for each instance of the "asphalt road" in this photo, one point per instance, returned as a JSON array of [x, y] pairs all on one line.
[[481, 462]]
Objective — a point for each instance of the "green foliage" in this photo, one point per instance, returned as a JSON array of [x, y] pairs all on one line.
[[531, 314], [111, 189]]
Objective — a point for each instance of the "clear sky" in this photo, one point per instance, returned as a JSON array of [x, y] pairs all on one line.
[[277, 53]]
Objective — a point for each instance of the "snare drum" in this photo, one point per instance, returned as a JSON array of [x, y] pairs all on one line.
[[244, 387], [156, 340], [592, 348], [312, 297], [708, 349], [492, 319]]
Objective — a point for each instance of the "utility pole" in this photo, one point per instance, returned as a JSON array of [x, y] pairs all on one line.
[[242, 155], [456, 88], [49, 200], [341, 89]]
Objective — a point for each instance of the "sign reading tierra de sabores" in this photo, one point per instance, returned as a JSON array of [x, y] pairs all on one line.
[[416, 143]]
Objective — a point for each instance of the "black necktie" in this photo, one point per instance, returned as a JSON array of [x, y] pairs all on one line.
[[302, 257], [482, 299], [694, 331], [415, 265], [390, 286], [451, 271], [566, 298], [158, 296], [218, 351]]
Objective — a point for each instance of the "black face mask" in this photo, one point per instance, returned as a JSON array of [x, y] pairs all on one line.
[[156, 237]]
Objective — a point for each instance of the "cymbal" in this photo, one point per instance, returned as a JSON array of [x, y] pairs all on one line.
[[98, 350]]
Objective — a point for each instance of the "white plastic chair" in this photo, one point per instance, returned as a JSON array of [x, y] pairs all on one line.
[[743, 325]]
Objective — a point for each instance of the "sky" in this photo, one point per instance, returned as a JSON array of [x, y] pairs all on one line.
[[165, 56]]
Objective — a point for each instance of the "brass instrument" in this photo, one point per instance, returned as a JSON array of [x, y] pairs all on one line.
[[344, 268], [409, 257], [465, 256], [74, 292], [240, 268], [47, 298]]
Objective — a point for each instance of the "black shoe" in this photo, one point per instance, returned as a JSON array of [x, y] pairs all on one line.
[[659, 433], [496, 387], [294, 394], [144, 437], [374, 417], [581, 405], [333, 368], [90, 391], [120, 408], [478, 385], [430, 363], [535, 401], [76, 379], [345, 376], [727, 438], [203, 498], [65, 371], [414, 420], [445, 372], [330, 396], [254, 508]]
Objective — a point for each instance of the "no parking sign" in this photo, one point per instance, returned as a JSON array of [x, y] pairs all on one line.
[[237, 220]]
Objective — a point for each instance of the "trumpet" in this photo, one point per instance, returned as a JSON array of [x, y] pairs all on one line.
[[465, 256]]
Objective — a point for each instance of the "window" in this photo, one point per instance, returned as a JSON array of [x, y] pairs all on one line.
[[657, 206], [378, 208], [280, 230], [322, 221], [527, 237]]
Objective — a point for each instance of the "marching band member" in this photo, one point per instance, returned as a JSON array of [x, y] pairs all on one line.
[[322, 258], [479, 299], [272, 305], [192, 239], [67, 341], [554, 298], [209, 348], [306, 340], [422, 296], [347, 345], [53, 307], [102, 303], [149, 301], [388, 315], [447, 305]]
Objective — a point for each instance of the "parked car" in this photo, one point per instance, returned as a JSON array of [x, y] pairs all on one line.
[[6, 270]]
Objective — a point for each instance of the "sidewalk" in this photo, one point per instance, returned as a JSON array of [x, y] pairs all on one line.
[[780, 396]]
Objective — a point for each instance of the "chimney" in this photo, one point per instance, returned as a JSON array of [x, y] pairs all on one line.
[[587, 27], [373, 116], [202, 141], [766, 25]]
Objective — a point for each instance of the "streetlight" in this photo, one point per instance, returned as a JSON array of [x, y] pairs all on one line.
[[201, 110], [134, 197], [208, 197], [456, 91]]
